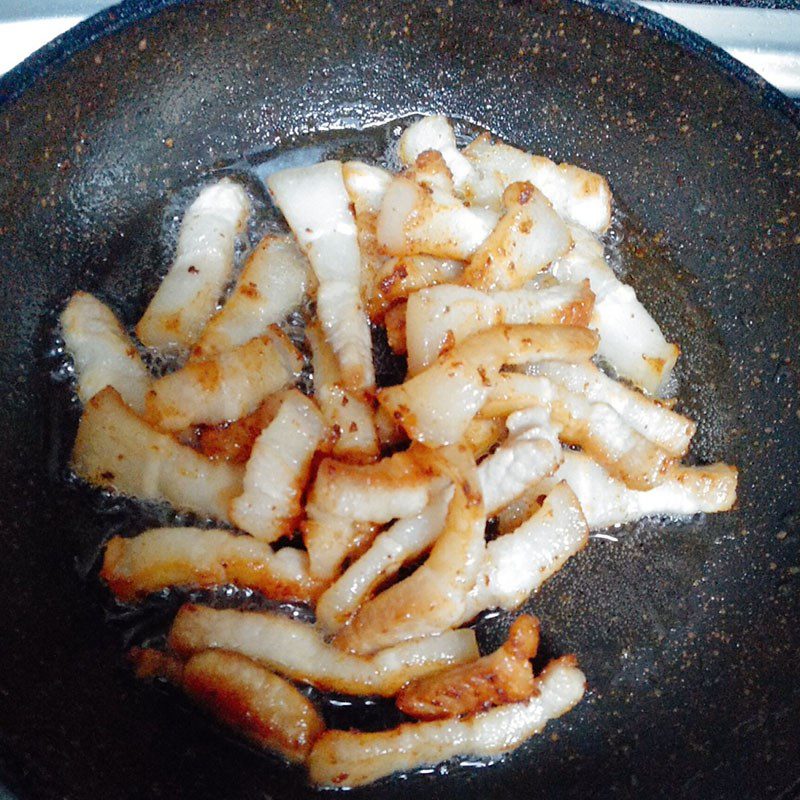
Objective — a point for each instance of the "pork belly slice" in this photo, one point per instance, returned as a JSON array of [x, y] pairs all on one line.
[[436, 406], [529, 236], [274, 282], [349, 415], [257, 703], [576, 194], [430, 171], [352, 758], [433, 597], [346, 326], [297, 650], [331, 540], [161, 558], [683, 491], [598, 430], [531, 451], [366, 186], [434, 133], [595, 427], [396, 486], [233, 441], [347, 500], [441, 317], [118, 450], [401, 543], [482, 435], [504, 676], [420, 220], [102, 352], [226, 387], [516, 564], [630, 339], [277, 472], [395, 323], [399, 277], [386, 280], [652, 419], [632, 342], [513, 391], [316, 205], [203, 264]]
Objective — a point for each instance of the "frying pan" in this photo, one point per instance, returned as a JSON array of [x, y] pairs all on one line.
[[688, 631]]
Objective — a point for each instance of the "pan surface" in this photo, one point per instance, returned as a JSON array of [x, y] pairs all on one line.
[[687, 631]]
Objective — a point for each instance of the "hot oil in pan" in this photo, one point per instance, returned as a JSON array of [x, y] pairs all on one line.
[[701, 383]]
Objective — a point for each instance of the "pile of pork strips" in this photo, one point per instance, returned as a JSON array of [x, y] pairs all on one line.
[[371, 505]]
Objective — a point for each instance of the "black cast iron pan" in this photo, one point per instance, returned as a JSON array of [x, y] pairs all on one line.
[[688, 631]]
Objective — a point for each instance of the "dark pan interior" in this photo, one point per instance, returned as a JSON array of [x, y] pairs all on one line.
[[688, 631]]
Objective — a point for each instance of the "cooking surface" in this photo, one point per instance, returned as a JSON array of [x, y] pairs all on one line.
[[765, 36], [688, 632]]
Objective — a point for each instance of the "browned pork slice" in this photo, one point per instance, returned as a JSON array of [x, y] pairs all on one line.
[[434, 133], [316, 205], [531, 452], [366, 186], [331, 540], [399, 277], [260, 705], [652, 419], [349, 415], [504, 676], [593, 426], [577, 195], [516, 564], [274, 282], [401, 543], [683, 491], [396, 486], [347, 500], [197, 558], [440, 317], [102, 352], [297, 650], [118, 450], [233, 441], [420, 220], [630, 339], [352, 758], [598, 430], [226, 387], [203, 264], [433, 597], [436, 406], [528, 237], [277, 472]]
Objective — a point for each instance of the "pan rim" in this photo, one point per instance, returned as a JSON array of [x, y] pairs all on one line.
[[45, 64], [57, 52]]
